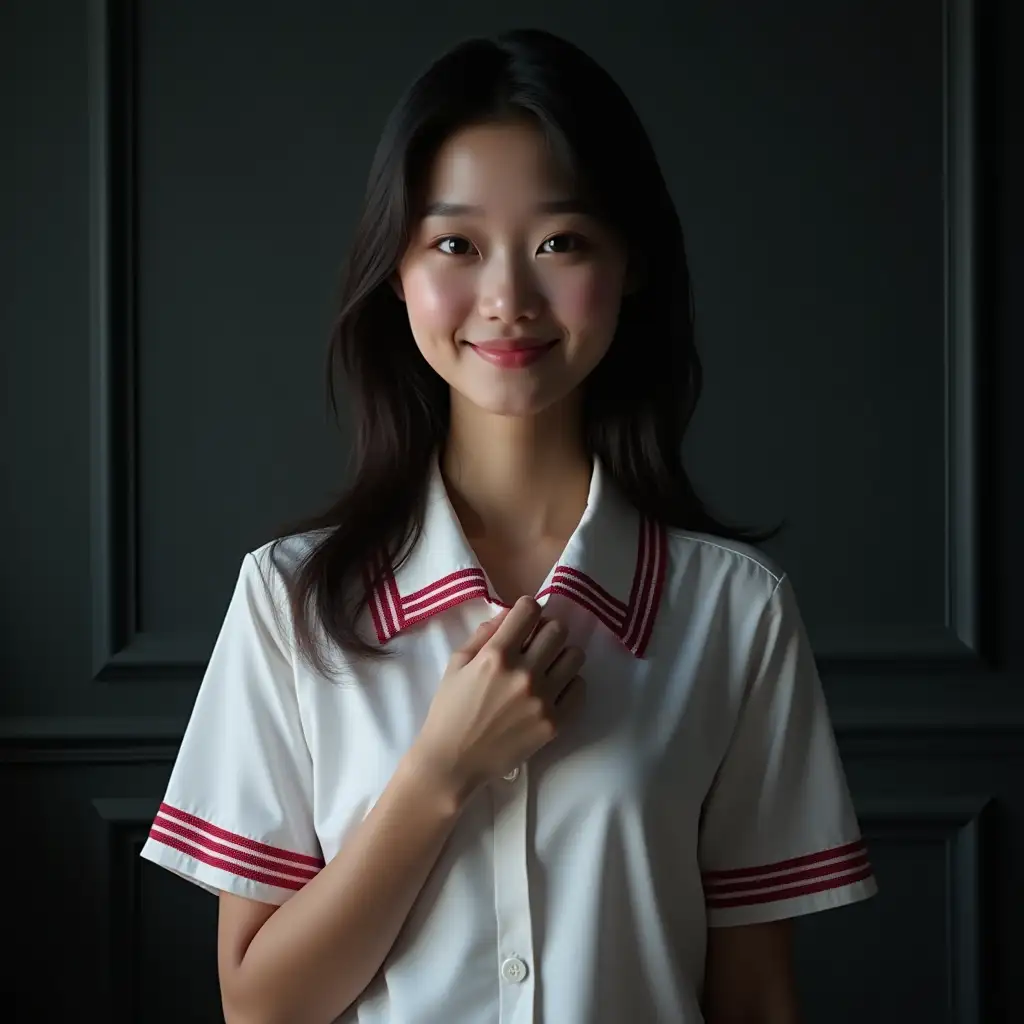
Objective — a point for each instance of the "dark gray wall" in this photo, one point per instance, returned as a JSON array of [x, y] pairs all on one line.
[[177, 186]]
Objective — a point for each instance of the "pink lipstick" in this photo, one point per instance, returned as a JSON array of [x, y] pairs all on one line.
[[512, 353]]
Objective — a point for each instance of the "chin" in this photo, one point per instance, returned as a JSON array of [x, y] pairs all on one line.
[[524, 404]]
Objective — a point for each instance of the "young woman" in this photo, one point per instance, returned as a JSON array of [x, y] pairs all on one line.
[[516, 731]]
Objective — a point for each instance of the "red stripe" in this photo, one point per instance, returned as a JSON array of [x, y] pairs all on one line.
[[584, 602], [475, 583], [593, 584], [835, 852], [395, 605], [656, 588], [386, 611], [233, 837], [424, 592], [638, 572], [249, 858], [776, 880], [636, 611], [232, 869], [776, 895], [647, 555], [378, 625], [579, 581], [380, 602], [388, 620], [467, 595], [382, 620]]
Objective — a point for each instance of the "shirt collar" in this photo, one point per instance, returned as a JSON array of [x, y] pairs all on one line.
[[613, 566]]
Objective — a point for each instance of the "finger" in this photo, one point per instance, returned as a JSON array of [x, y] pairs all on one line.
[[570, 699], [546, 645], [567, 663], [472, 647], [537, 627], [517, 625]]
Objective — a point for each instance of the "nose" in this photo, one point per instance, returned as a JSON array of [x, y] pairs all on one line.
[[508, 290]]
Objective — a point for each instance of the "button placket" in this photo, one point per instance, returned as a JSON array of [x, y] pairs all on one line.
[[514, 954]]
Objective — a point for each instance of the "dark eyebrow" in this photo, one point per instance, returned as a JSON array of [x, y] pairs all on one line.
[[442, 209]]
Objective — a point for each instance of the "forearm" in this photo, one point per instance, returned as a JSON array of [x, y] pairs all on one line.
[[315, 955]]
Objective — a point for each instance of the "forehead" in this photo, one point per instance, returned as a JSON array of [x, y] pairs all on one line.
[[494, 165]]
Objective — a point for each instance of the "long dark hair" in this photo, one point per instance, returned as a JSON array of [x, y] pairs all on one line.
[[634, 419]]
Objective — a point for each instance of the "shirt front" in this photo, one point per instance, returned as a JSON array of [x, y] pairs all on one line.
[[697, 786]]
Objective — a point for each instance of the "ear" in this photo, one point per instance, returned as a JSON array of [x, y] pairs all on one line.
[[395, 280]]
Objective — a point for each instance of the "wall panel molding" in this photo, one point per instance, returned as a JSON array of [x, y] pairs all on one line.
[[119, 649], [126, 823], [960, 154], [113, 327], [90, 740], [961, 826], [958, 638]]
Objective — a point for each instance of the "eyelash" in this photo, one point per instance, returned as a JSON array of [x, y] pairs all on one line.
[[579, 244]]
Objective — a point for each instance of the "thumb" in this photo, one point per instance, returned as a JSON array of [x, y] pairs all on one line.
[[474, 645]]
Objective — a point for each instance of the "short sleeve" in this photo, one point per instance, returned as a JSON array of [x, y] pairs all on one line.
[[237, 813], [779, 836]]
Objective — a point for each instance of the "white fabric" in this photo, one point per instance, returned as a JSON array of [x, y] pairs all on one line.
[[699, 786]]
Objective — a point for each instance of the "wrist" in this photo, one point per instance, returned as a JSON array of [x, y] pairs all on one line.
[[435, 781]]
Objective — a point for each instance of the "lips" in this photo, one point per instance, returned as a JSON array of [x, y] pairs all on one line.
[[512, 344], [513, 353]]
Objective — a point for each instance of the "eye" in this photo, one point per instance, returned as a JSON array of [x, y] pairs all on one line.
[[453, 241], [564, 243]]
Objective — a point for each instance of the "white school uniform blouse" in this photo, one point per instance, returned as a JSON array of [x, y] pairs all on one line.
[[698, 786]]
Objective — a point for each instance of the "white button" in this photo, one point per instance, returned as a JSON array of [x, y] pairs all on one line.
[[513, 969], [512, 775]]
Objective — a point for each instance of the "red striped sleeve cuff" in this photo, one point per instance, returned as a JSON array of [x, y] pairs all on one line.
[[787, 879], [227, 851]]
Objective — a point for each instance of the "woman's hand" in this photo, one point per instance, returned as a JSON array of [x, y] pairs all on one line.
[[503, 696]]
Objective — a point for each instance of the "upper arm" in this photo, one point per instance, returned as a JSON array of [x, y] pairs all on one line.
[[238, 921], [748, 977]]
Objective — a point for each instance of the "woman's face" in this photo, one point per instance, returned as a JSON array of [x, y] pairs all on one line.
[[512, 289]]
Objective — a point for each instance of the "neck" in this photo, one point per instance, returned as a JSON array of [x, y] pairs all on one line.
[[516, 480]]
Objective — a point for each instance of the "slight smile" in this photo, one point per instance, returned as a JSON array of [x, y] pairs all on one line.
[[512, 353]]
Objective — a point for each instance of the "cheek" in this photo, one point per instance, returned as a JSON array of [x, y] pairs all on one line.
[[588, 300], [437, 303]]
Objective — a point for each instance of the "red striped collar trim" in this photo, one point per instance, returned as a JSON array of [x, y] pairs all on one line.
[[631, 621]]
